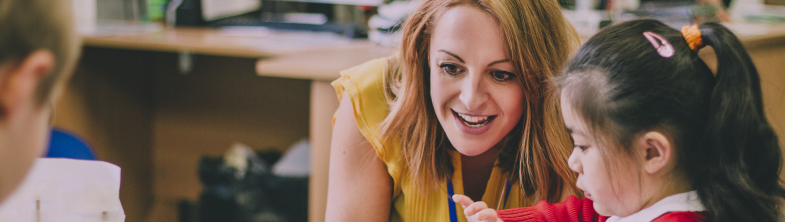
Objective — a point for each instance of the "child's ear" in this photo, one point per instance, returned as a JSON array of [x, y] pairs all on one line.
[[657, 151], [18, 84]]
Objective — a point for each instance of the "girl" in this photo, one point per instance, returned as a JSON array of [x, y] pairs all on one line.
[[657, 137], [460, 109]]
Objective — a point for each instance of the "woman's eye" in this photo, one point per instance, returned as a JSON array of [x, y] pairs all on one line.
[[450, 69], [583, 148], [502, 76]]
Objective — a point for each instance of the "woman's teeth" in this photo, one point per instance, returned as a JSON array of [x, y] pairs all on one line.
[[473, 121]]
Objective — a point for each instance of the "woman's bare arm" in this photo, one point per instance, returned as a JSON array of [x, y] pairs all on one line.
[[359, 189]]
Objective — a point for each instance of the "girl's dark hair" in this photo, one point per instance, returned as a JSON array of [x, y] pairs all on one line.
[[724, 146]]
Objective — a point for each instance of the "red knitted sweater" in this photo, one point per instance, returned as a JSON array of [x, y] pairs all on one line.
[[578, 210]]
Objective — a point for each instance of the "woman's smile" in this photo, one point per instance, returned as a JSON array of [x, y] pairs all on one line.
[[473, 124]]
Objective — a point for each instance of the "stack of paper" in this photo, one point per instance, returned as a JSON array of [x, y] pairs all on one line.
[[67, 190]]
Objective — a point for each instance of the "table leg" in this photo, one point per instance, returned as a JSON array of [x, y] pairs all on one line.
[[324, 102]]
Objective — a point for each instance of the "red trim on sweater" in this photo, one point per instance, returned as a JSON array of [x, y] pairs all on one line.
[[681, 217], [578, 210], [573, 209]]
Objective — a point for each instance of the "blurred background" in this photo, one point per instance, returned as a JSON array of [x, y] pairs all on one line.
[[220, 110]]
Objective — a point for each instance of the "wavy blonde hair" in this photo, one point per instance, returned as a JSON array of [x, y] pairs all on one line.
[[539, 42]]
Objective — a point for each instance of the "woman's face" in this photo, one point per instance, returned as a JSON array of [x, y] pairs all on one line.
[[474, 87]]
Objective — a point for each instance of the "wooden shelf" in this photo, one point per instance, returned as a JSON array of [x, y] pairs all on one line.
[[300, 55]]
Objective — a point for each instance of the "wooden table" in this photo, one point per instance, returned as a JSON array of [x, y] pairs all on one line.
[[130, 100]]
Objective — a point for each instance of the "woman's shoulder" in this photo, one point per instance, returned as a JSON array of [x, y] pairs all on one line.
[[366, 76], [364, 85]]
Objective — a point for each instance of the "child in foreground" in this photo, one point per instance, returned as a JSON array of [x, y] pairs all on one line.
[[38, 50], [657, 137]]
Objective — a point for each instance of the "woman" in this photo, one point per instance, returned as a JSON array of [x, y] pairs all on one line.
[[463, 108]]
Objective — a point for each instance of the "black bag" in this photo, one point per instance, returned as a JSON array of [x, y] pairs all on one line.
[[253, 196]]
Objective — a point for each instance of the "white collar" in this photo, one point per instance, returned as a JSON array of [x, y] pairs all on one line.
[[687, 201]]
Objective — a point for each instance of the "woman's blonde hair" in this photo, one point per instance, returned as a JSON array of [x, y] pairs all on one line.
[[539, 41]]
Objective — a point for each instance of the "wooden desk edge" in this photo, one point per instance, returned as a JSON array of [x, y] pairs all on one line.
[[105, 42]]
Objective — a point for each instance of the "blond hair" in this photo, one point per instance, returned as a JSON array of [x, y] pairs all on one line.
[[30, 25], [540, 41]]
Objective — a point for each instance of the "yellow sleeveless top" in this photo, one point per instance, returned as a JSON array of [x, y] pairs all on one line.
[[363, 84]]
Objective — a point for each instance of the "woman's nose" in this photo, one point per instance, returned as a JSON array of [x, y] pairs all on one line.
[[473, 94], [575, 161]]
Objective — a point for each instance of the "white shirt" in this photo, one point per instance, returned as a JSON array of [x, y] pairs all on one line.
[[687, 201]]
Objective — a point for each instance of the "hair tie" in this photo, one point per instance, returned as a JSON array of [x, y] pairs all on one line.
[[692, 34]]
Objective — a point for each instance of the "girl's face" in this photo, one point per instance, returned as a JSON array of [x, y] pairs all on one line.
[[474, 88], [619, 194]]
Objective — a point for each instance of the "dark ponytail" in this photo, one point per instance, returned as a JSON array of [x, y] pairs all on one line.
[[743, 159], [725, 148]]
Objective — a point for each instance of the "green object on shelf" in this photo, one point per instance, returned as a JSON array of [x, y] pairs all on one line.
[[155, 10]]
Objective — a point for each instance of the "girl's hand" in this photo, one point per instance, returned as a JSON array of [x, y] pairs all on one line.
[[476, 211]]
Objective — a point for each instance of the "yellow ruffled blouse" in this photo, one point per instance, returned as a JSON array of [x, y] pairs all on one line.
[[363, 84]]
